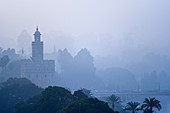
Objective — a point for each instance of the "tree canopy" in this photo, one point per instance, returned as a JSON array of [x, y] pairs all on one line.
[[89, 105], [60, 100], [15, 90], [50, 100], [79, 94]]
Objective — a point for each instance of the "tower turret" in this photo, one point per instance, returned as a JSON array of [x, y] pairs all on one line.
[[37, 47], [37, 35]]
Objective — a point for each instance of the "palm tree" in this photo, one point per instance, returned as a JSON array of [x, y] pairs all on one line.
[[133, 106], [151, 103], [113, 99]]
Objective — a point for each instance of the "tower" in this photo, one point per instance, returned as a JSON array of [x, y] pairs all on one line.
[[37, 47], [39, 71]]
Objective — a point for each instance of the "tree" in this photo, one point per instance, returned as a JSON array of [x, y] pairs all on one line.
[[150, 103], [133, 107], [4, 61], [27, 106], [16, 90], [113, 99], [50, 100], [79, 94], [87, 92], [89, 105], [146, 111]]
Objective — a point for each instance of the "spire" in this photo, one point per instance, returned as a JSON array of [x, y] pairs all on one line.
[[37, 28]]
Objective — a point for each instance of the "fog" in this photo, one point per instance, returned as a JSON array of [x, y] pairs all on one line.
[[120, 45], [88, 23]]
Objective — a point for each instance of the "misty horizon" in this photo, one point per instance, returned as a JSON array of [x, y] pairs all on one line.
[[120, 25]]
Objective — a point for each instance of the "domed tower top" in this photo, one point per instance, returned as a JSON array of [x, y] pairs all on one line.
[[37, 35]]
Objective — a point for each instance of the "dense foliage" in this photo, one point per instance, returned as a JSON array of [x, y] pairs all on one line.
[[89, 105], [15, 90], [80, 95], [26, 97], [50, 100], [58, 99]]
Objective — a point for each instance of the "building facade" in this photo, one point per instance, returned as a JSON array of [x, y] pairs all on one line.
[[39, 71]]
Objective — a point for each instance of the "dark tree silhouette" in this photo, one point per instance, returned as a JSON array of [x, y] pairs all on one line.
[[79, 94], [133, 107], [150, 103], [50, 100], [87, 92], [15, 90], [89, 105]]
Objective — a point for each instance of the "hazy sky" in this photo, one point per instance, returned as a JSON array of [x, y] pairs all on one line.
[[96, 24]]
